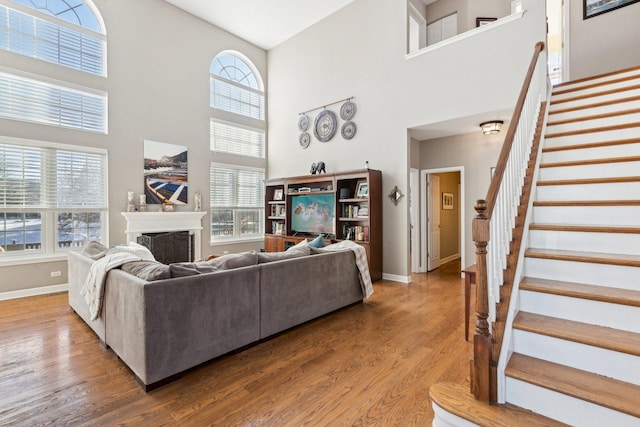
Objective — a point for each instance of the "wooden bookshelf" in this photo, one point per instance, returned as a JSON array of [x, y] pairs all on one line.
[[357, 204]]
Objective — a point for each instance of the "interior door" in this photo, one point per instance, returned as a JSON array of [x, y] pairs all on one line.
[[433, 222], [414, 217]]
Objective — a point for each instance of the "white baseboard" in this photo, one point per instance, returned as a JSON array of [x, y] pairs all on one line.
[[449, 259], [396, 278], [33, 292]]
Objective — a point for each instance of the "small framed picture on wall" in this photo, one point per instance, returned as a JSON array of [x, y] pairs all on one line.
[[447, 201]]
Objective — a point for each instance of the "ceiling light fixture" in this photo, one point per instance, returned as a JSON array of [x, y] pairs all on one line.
[[491, 127]]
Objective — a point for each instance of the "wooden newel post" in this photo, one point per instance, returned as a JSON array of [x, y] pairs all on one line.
[[481, 369]]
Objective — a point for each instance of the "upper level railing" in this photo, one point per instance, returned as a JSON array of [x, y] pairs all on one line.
[[492, 227]]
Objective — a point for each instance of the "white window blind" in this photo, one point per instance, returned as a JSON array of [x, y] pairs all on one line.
[[51, 178], [234, 187], [31, 36], [35, 101], [233, 139], [232, 97]]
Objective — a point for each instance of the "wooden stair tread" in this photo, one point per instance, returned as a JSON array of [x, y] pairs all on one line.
[[593, 130], [591, 145], [594, 117], [594, 105], [559, 91], [579, 290], [597, 76], [601, 161], [557, 203], [591, 257], [586, 228], [600, 390], [583, 333], [456, 399], [608, 180], [595, 94]]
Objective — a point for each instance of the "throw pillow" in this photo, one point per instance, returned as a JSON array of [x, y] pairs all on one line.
[[94, 250], [147, 270], [318, 242], [293, 252], [138, 250], [225, 262]]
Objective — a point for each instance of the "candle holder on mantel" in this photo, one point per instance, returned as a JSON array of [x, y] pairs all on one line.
[[143, 203], [131, 204], [197, 202]]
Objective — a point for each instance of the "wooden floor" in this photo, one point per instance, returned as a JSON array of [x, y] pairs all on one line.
[[370, 364]]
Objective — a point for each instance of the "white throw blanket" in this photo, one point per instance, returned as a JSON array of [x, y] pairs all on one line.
[[93, 288], [361, 263]]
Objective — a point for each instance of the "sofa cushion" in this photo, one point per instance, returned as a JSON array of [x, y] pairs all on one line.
[[147, 270], [299, 250], [318, 242], [225, 262], [94, 250]]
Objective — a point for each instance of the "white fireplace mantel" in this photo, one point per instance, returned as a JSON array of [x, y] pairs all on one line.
[[159, 222]]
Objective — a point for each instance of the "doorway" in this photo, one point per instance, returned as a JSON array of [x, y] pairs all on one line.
[[442, 216]]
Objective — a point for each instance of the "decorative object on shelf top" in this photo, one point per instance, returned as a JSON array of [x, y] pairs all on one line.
[[395, 195], [491, 127], [304, 139], [318, 168], [348, 110], [325, 125], [303, 122], [348, 130], [197, 202]]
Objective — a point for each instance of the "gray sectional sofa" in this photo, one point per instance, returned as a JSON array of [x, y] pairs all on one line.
[[164, 327]]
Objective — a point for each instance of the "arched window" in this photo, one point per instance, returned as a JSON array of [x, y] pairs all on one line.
[[237, 128]]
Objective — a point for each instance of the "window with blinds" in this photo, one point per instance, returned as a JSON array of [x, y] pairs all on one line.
[[51, 196], [31, 36], [237, 202], [236, 87], [39, 102], [234, 139]]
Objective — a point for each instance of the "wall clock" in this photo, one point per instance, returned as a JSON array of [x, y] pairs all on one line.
[[348, 130], [303, 122], [348, 110], [305, 139], [325, 125]]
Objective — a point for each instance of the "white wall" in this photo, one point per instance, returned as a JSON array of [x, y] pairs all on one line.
[[359, 52], [158, 85], [603, 43]]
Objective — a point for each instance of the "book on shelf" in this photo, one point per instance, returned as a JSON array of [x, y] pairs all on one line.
[[277, 228], [355, 232]]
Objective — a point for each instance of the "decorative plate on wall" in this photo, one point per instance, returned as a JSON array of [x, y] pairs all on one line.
[[303, 122], [348, 110], [325, 125], [348, 130], [305, 139]]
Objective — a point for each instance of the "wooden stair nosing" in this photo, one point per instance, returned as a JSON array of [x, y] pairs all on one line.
[[593, 95], [594, 85], [600, 390], [585, 228], [593, 130], [598, 76], [594, 117], [595, 105], [578, 290], [588, 162], [589, 203], [591, 145], [457, 400], [622, 260], [587, 181], [582, 333]]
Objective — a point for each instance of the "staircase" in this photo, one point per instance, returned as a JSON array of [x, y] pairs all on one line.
[[575, 339]]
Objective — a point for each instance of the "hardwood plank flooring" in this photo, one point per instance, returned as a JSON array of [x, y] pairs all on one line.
[[369, 364]]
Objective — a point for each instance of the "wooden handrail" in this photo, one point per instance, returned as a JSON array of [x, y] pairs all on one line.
[[496, 181], [483, 374]]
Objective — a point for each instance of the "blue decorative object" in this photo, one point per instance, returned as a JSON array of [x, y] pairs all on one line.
[[318, 242]]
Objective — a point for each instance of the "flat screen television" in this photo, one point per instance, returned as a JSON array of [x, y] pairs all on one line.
[[313, 213]]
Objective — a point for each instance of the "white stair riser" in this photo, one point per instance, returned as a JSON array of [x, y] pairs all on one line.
[[612, 364], [591, 137], [602, 170], [594, 123], [622, 150], [593, 215], [442, 418], [618, 316], [591, 111], [594, 99], [611, 243], [583, 272], [613, 191], [593, 90], [564, 408], [599, 80]]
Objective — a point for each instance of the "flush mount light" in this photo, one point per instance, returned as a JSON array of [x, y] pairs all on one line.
[[491, 127]]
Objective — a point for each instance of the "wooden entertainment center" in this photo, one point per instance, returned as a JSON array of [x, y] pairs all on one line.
[[354, 202]]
